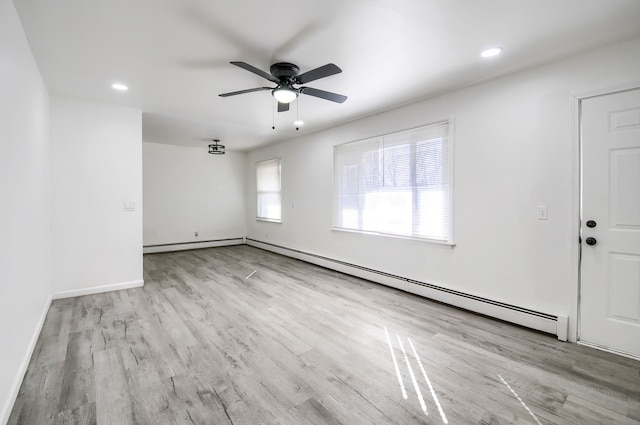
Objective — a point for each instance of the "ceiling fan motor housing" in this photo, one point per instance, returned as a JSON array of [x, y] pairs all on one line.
[[284, 70]]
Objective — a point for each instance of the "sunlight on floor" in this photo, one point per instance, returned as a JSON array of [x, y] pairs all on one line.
[[426, 378], [520, 400], [413, 377], [395, 363]]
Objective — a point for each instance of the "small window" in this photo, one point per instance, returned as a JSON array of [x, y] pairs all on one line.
[[268, 190], [397, 184]]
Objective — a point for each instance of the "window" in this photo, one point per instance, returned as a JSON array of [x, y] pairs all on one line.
[[268, 189], [397, 184]]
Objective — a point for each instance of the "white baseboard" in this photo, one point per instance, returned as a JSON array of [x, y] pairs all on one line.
[[488, 308], [563, 327], [17, 380], [151, 249], [549, 323], [98, 289]]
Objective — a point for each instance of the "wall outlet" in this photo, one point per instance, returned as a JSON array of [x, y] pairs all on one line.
[[543, 212], [196, 234]]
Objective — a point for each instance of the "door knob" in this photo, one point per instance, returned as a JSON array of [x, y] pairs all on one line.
[[591, 224], [591, 241]]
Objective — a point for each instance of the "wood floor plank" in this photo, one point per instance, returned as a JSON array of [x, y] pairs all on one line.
[[113, 398], [39, 396], [78, 382], [242, 336], [81, 415]]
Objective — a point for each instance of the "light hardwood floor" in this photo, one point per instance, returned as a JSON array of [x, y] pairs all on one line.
[[209, 341]]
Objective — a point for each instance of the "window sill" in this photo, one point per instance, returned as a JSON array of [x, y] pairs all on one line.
[[268, 220], [389, 235]]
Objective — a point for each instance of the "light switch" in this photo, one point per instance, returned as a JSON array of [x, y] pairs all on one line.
[[129, 206], [543, 212]]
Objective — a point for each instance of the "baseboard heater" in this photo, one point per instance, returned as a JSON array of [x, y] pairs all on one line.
[[180, 246], [545, 322]]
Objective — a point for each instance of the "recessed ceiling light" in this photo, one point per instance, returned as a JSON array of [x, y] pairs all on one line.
[[119, 87], [298, 122], [495, 51]]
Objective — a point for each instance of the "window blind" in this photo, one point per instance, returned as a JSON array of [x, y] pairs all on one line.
[[268, 190], [396, 184]]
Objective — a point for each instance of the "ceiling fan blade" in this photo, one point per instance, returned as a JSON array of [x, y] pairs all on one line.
[[334, 97], [315, 74], [256, 71], [283, 107], [233, 93]]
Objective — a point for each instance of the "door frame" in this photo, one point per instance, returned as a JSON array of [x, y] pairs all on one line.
[[576, 201]]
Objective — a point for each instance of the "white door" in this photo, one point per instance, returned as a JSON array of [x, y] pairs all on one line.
[[610, 267]]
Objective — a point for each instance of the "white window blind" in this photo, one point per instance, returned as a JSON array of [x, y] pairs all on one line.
[[397, 184], [268, 190]]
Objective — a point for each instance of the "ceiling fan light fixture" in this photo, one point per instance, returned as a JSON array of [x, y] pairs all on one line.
[[284, 94]]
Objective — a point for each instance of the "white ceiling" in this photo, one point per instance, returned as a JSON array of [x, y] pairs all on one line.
[[174, 54]]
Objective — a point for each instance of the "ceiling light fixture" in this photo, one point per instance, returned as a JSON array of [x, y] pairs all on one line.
[[119, 87], [489, 53], [284, 93], [216, 149]]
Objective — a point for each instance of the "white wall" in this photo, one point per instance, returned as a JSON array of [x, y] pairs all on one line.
[[514, 150], [25, 285], [96, 166], [186, 190]]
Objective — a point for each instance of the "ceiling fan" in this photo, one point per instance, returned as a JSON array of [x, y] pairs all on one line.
[[286, 75]]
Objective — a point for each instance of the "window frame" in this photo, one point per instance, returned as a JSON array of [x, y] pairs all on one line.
[[449, 241], [259, 192]]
